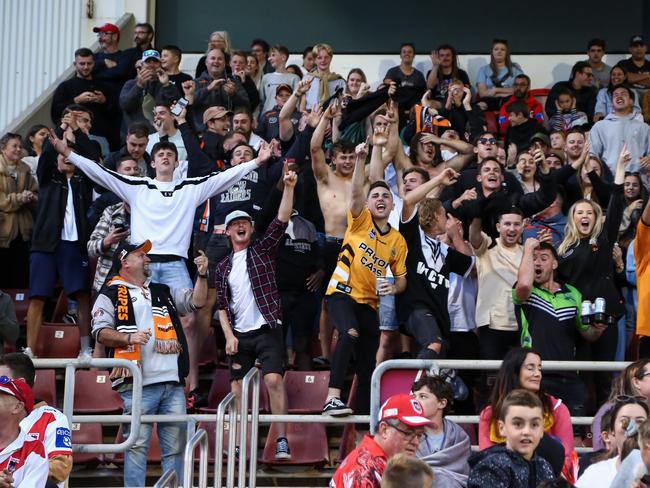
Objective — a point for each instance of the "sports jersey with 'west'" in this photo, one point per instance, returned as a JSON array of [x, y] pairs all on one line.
[[26, 460], [51, 427], [366, 254]]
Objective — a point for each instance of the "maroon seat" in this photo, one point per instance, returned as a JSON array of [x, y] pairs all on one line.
[[308, 444], [61, 307], [87, 434], [57, 341], [45, 386], [395, 381], [93, 393], [492, 121], [218, 390], [348, 442], [208, 353], [20, 298], [154, 454], [210, 428], [306, 390]]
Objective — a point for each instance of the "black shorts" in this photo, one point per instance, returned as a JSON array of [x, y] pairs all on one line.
[[422, 325], [347, 314], [265, 344]]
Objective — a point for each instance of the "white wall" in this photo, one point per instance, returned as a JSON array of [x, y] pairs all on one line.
[[543, 69]]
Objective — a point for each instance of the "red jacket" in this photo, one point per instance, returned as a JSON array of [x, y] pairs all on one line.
[[536, 111], [362, 468]]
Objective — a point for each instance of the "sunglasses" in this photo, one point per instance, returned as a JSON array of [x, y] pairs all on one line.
[[485, 140], [630, 399], [5, 380]]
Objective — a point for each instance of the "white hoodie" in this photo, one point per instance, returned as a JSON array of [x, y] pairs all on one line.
[[608, 136]]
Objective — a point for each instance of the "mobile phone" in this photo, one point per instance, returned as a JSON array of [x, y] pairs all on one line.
[[337, 93], [179, 106], [120, 227]]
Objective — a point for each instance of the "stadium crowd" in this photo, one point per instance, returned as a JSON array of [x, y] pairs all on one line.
[[292, 208]]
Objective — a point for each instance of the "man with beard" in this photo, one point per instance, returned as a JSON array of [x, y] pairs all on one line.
[[522, 87], [242, 122], [166, 130]]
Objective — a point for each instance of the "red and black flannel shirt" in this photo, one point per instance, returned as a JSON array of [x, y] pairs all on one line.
[[260, 262]]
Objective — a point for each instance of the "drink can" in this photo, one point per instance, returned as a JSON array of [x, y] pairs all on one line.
[[380, 281], [599, 305], [586, 311]]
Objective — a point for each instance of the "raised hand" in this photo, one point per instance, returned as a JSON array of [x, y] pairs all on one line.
[[189, 88], [449, 177], [380, 136], [264, 154], [304, 85], [314, 116], [362, 150], [201, 262], [60, 145]]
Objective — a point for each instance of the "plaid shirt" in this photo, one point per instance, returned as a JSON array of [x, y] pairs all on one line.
[[260, 263], [111, 217]]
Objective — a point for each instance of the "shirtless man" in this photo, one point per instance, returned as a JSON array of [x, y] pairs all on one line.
[[334, 189]]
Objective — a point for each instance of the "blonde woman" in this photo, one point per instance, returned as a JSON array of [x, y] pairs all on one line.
[[586, 262], [217, 40]]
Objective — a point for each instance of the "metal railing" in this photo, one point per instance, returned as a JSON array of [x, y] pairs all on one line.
[[167, 480], [70, 366], [253, 376], [229, 404], [200, 437], [463, 364]]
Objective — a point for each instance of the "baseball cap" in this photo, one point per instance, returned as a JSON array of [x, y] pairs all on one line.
[[19, 389], [107, 27], [236, 215], [215, 113], [540, 136], [124, 249], [283, 86], [637, 40], [150, 53], [404, 408]]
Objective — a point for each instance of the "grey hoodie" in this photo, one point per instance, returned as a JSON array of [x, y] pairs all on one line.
[[608, 136]]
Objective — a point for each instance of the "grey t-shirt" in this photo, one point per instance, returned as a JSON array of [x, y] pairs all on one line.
[[270, 83]]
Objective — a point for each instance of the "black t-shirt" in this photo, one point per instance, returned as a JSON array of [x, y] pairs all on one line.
[[410, 88], [429, 263], [443, 81], [178, 79], [629, 66]]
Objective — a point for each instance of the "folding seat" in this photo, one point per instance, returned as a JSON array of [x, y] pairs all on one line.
[[308, 444], [218, 390], [20, 298], [57, 341], [45, 386], [208, 353], [306, 390], [87, 434], [154, 454], [93, 393], [395, 381]]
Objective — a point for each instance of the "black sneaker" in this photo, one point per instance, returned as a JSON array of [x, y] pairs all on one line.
[[282, 450], [321, 361], [195, 400], [336, 408]]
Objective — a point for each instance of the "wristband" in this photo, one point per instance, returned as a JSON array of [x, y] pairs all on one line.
[[204, 276], [128, 339], [297, 95]]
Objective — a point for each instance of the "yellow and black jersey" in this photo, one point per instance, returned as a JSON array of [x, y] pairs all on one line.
[[365, 255]]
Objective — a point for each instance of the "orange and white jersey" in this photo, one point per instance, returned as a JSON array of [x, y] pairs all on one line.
[[26, 460]]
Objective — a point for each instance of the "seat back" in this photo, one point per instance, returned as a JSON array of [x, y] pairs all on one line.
[[218, 390], [87, 434], [45, 386], [306, 390], [154, 455], [396, 381], [57, 341], [541, 94], [308, 444], [93, 393], [20, 299]]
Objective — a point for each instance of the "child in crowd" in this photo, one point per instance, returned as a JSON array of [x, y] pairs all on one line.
[[521, 422]]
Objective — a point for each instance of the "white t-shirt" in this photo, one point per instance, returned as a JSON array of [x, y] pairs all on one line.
[[177, 139], [69, 231], [243, 306], [599, 475], [26, 460]]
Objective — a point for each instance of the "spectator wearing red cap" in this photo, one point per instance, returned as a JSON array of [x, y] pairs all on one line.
[[111, 64], [23, 462], [401, 426]]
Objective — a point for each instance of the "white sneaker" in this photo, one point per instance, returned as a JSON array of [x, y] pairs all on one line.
[[28, 352], [85, 353]]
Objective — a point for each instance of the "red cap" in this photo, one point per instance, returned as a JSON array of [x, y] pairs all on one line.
[[18, 389], [404, 408], [107, 28]]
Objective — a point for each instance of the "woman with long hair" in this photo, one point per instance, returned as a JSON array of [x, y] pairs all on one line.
[[33, 144], [495, 81], [626, 409], [526, 172], [522, 368], [617, 76], [635, 196], [586, 262]]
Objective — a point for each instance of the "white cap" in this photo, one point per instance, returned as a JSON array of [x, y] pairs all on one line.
[[237, 214]]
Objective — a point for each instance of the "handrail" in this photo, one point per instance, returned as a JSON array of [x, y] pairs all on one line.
[[200, 437], [167, 480], [464, 364], [70, 366], [253, 376], [228, 403]]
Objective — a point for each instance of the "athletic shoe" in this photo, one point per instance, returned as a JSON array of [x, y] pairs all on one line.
[[321, 361], [282, 450], [86, 353], [28, 352], [336, 408]]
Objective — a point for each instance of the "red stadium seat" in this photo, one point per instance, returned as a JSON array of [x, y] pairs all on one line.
[[541, 94], [306, 390], [93, 393], [57, 341], [308, 444], [87, 434], [45, 386], [208, 353], [20, 298], [218, 391], [492, 121], [396, 381], [61, 307]]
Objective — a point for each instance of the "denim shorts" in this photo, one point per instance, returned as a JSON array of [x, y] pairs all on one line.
[[387, 312], [174, 274]]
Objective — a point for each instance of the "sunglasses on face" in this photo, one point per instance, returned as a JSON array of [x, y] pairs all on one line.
[[5, 380], [486, 140]]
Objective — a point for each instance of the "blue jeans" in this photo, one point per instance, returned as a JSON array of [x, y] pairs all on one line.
[[158, 399], [173, 274]]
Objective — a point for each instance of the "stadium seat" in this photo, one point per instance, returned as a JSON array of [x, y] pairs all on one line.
[[45, 386], [20, 298], [349, 435], [210, 428], [396, 381], [153, 455], [87, 434], [492, 121], [306, 390], [93, 393], [57, 341], [541, 94], [308, 444], [218, 390], [208, 353]]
